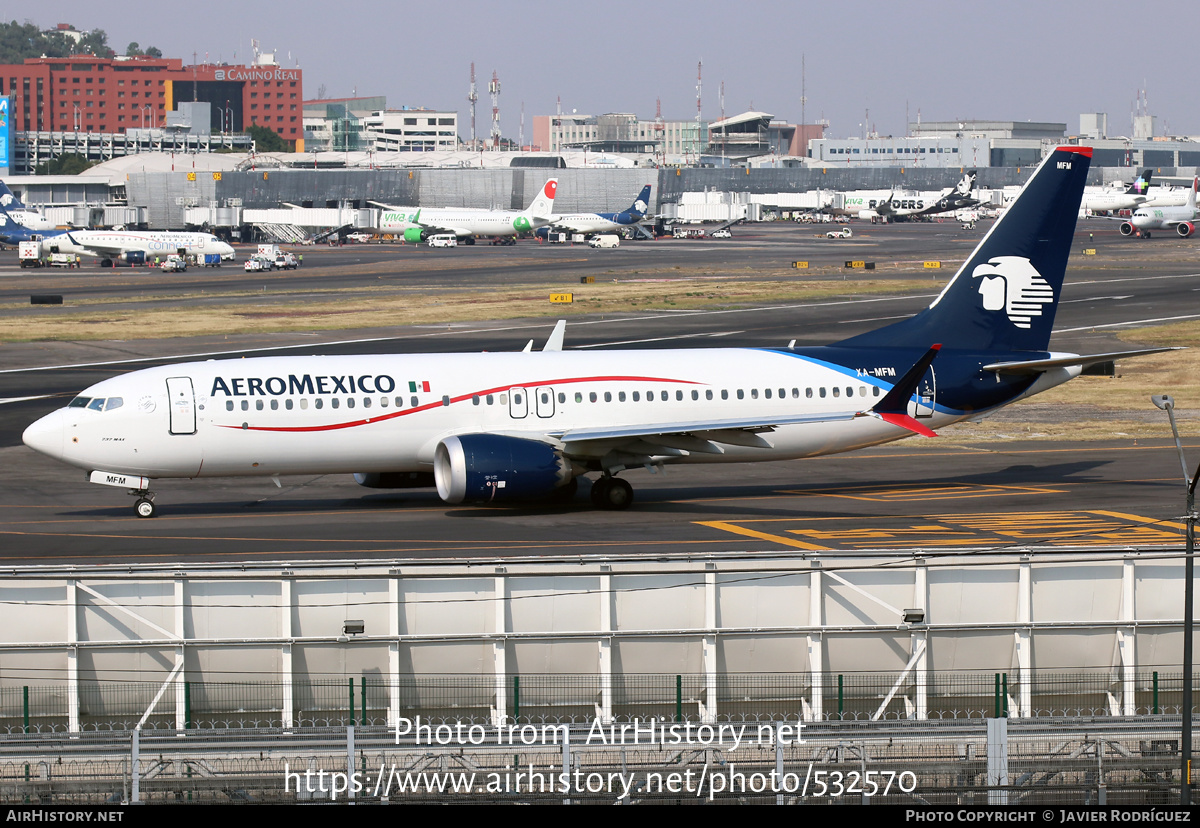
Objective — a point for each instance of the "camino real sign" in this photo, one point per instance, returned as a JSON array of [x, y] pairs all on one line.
[[5, 132]]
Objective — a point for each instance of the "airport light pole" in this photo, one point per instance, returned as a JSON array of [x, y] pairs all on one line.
[[1166, 403]]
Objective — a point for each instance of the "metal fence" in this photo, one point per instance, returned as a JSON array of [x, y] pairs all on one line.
[[1117, 761], [539, 698]]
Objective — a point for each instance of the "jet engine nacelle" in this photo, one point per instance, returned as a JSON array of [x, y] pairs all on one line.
[[134, 257], [492, 467], [1127, 229], [415, 234], [1185, 229], [395, 480]]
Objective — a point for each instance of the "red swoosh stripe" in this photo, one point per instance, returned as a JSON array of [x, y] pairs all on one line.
[[496, 390]]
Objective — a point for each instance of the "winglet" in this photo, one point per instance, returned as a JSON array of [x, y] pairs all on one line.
[[893, 408], [555, 341], [905, 421]]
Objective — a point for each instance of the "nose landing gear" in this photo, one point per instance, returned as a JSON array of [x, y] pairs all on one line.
[[144, 508]]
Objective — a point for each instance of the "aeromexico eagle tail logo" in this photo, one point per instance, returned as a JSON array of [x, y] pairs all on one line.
[[1013, 285]]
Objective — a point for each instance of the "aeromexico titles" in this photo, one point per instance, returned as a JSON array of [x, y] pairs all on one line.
[[504, 426]]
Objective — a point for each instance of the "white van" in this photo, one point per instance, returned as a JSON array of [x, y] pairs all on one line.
[[605, 241], [443, 240]]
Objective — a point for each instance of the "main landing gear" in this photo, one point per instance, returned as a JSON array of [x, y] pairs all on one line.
[[144, 508], [612, 493]]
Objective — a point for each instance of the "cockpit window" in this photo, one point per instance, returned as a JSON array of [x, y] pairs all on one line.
[[97, 404], [114, 402], [79, 402]]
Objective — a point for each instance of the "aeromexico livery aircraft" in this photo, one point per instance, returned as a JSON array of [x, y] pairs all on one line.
[[31, 220], [419, 223], [601, 222], [13, 232], [503, 426], [134, 247]]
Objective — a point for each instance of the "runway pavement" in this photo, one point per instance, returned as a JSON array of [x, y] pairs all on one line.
[[914, 493]]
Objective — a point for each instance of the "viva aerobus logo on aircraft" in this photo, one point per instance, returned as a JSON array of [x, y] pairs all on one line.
[[1013, 285]]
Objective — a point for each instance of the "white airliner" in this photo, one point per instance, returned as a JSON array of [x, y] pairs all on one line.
[[418, 223], [885, 204], [602, 222], [508, 426], [1180, 219], [134, 247], [1118, 196], [31, 220]]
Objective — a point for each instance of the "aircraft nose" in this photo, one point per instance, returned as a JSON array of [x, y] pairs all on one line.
[[47, 435]]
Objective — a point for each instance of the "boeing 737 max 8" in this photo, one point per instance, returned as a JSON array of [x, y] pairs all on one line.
[[504, 426]]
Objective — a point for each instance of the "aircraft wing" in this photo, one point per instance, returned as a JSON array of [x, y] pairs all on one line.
[[100, 249], [738, 432], [435, 229]]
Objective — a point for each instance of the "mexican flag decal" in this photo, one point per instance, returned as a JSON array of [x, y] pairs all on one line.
[[418, 386]]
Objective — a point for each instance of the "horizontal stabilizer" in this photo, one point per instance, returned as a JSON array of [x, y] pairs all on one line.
[[1037, 366]]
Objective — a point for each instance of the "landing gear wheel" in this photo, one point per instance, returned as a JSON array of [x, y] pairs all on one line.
[[471, 240], [618, 495], [599, 488], [1146, 235], [611, 493], [145, 508]]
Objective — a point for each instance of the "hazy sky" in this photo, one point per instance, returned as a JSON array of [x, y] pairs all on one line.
[[1004, 60]]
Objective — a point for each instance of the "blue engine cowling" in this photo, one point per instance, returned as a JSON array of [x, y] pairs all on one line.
[[492, 467], [134, 257]]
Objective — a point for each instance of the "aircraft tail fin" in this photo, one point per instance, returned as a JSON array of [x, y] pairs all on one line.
[[8, 199], [1005, 295], [543, 205], [12, 230], [641, 204], [967, 184], [1191, 196], [1141, 184]]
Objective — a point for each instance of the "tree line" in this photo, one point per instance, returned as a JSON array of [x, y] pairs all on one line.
[[19, 41]]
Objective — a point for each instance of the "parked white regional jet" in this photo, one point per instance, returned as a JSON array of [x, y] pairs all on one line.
[[506, 426], [418, 224], [134, 247]]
